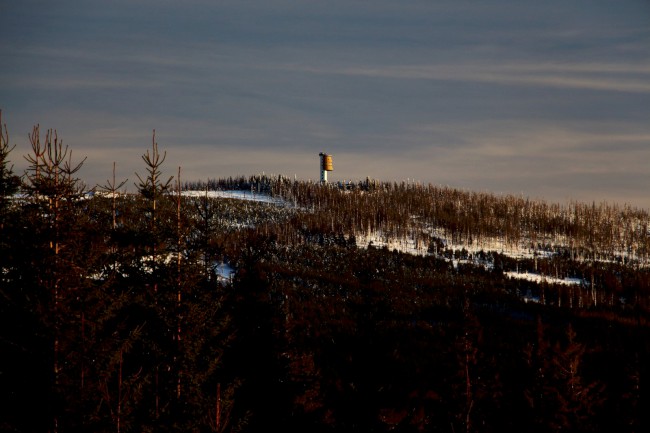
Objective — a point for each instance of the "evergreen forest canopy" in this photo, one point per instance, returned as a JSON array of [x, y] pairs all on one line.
[[363, 307]]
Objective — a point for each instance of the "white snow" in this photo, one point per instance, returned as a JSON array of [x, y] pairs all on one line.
[[538, 278], [410, 246], [238, 195], [224, 271], [414, 245], [378, 240]]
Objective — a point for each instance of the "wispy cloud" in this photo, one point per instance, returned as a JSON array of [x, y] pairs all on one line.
[[612, 77]]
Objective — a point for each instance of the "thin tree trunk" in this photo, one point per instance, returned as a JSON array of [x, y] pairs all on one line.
[[217, 419], [83, 348], [178, 281], [119, 394]]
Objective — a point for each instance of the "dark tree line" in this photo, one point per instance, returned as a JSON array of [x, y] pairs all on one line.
[[374, 340], [114, 317], [109, 323], [603, 246], [588, 231]]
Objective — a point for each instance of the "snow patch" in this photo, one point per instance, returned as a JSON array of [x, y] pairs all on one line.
[[224, 271], [405, 245], [538, 278], [237, 195]]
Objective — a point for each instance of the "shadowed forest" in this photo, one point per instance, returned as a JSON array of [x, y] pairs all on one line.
[[363, 307]]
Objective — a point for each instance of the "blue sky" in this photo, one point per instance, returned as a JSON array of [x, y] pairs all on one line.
[[547, 100]]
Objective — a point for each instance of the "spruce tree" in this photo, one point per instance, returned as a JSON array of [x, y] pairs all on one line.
[[52, 273], [15, 320], [9, 182]]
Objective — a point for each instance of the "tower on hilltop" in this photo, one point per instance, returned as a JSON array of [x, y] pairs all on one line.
[[325, 166]]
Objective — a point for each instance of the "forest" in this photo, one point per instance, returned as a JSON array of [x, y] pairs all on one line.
[[368, 306]]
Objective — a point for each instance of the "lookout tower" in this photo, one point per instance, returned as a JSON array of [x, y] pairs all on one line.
[[325, 166]]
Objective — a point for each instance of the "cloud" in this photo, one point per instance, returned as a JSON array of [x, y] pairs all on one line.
[[578, 76]]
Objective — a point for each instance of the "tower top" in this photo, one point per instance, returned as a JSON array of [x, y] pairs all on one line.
[[325, 166]]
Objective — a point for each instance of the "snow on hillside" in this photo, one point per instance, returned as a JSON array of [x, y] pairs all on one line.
[[418, 247], [404, 245], [410, 245], [543, 278], [238, 195]]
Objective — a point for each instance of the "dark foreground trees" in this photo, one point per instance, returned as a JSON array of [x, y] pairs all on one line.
[[113, 316], [371, 340], [106, 324]]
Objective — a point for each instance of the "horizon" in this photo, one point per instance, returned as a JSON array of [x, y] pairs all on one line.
[[547, 101], [130, 186]]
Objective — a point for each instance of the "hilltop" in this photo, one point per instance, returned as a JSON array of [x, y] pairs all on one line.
[[263, 302]]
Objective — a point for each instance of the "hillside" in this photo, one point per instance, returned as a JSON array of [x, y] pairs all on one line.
[[295, 306]]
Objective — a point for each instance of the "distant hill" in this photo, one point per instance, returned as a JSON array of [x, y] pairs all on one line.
[[262, 303]]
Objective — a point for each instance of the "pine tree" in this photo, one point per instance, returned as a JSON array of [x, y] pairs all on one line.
[[9, 185], [9, 182], [152, 187], [52, 241], [112, 189], [559, 395], [153, 190], [577, 399], [17, 322], [467, 385], [539, 366]]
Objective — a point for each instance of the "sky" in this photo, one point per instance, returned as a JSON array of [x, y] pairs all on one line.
[[547, 99]]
